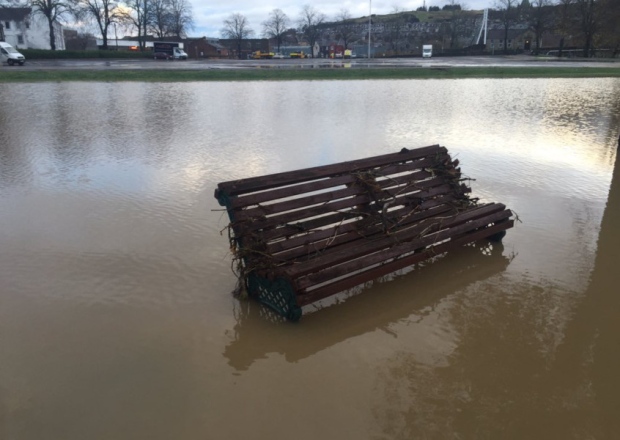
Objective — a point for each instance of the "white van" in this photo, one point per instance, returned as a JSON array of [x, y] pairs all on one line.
[[9, 55], [427, 51], [179, 54]]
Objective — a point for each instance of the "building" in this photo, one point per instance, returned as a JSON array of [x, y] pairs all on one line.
[[77, 41], [519, 40], [205, 47], [24, 29]]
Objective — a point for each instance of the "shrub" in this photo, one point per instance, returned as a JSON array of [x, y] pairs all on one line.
[[40, 54]]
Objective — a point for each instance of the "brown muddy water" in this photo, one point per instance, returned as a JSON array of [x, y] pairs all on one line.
[[116, 314]]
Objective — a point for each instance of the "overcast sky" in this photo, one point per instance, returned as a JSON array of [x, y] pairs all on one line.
[[210, 14]]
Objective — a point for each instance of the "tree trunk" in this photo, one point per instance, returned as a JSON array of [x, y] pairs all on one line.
[[588, 46], [52, 36], [538, 35], [142, 33], [104, 35]]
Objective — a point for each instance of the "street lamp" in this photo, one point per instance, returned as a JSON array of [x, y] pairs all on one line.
[[369, 24]]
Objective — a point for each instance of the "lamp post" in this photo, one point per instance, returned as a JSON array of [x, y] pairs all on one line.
[[369, 24]]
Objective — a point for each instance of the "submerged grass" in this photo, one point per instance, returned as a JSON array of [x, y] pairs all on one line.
[[302, 73]]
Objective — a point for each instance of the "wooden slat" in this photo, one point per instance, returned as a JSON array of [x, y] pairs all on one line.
[[253, 184], [348, 233], [387, 242], [330, 182], [304, 298], [335, 219], [389, 186], [327, 208], [382, 255], [405, 213]]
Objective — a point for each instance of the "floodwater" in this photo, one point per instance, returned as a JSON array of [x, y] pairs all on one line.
[[116, 314]]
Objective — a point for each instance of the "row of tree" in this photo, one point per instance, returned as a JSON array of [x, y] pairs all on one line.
[[594, 22], [591, 22], [236, 26], [162, 18]]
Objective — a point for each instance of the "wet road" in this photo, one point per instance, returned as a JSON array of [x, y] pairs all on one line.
[[437, 62]]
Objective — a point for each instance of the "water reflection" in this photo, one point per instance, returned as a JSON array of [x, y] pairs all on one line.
[[410, 297], [502, 379], [115, 280]]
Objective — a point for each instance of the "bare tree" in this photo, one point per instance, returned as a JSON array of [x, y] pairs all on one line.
[[236, 27], [540, 19], [395, 30], [565, 21], [590, 17], [508, 16], [181, 20], [276, 26], [346, 27], [138, 16], [457, 26], [80, 42], [104, 12], [610, 25], [52, 10], [160, 18], [310, 21]]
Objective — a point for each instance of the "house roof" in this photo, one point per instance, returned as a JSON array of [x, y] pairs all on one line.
[[14, 14]]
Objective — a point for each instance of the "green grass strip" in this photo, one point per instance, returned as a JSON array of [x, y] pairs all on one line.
[[14, 74]]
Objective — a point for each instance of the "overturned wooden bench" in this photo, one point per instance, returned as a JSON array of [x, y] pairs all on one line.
[[301, 236]]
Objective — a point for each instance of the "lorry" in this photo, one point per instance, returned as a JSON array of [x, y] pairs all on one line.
[[173, 51], [427, 50], [11, 56]]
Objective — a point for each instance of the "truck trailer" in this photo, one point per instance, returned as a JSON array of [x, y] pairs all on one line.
[[174, 51]]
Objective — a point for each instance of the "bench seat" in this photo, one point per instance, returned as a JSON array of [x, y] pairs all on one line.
[[301, 236]]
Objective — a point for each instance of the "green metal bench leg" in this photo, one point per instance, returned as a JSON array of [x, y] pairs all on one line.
[[278, 295]]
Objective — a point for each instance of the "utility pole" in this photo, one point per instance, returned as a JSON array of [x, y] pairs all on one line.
[[369, 24]]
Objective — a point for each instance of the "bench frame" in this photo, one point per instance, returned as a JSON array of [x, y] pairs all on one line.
[[300, 236]]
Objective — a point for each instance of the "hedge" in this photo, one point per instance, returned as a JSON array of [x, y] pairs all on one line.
[[39, 54]]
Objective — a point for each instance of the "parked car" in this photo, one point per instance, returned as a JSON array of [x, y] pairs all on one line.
[[10, 55], [162, 56], [278, 56]]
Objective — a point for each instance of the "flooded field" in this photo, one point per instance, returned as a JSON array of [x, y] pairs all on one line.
[[116, 314]]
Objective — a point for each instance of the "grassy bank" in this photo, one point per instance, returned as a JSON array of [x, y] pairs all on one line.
[[302, 73]]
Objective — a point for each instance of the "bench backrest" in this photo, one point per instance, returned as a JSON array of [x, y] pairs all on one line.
[[292, 215]]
